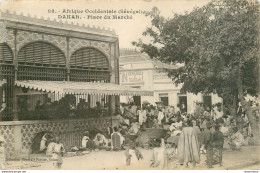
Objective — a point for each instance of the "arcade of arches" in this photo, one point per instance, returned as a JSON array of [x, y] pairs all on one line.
[[45, 62]]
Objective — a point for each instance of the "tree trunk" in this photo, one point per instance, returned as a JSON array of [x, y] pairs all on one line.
[[233, 107], [249, 112]]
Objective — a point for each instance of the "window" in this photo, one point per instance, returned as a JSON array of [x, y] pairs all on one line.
[[207, 101], [6, 55], [41, 54], [41, 61], [164, 99], [88, 58], [89, 65], [182, 103]]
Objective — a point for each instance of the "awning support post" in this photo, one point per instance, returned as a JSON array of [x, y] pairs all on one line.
[[113, 105]]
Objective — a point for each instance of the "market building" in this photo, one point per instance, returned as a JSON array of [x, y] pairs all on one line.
[[56, 77], [137, 70]]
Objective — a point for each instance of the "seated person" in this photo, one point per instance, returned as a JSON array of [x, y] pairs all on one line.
[[85, 139], [237, 139], [117, 140], [134, 129], [100, 141], [44, 141]]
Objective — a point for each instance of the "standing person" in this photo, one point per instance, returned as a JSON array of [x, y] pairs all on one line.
[[188, 146], [58, 151], [208, 138], [160, 117], [134, 109], [198, 111], [218, 142], [160, 156], [2, 153], [142, 117], [149, 117]]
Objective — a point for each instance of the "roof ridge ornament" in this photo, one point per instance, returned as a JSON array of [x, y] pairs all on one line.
[[41, 20]]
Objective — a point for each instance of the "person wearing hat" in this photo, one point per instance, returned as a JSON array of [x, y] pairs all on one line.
[[2, 153]]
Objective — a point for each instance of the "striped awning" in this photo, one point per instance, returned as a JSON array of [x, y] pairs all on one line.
[[92, 88]]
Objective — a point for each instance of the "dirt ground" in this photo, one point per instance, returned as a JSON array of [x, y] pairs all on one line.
[[247, 158]]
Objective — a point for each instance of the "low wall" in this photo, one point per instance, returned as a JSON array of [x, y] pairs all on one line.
[[19, 134]]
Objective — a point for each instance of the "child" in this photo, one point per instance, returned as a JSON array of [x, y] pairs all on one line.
[[58, 153], [2, 153]]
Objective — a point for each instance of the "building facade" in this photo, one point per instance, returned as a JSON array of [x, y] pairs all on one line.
[[139, 71], [46, 69]]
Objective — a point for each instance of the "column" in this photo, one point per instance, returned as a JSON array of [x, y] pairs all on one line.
[[112, 100], [68, 59], [15, 106], [17, 140]]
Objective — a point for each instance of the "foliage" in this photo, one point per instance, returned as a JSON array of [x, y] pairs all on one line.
[[216, 43]]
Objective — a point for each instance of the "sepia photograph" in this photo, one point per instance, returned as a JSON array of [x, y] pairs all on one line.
[[129, 85]]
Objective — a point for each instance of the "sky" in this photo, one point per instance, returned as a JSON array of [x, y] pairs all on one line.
[[128, 30]]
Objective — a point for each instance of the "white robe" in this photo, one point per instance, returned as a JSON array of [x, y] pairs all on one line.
[[134, 159], [43, 142], [84, 141]]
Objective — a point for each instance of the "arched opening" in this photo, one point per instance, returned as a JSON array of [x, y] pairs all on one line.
[[41, 61], [7, 74], [6, 55], [89, 65]]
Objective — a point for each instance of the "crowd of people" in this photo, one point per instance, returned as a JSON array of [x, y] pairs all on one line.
[[209, 129], [66, 108], [206, 131]]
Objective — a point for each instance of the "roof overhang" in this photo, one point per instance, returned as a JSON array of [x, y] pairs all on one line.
[[92, 88]]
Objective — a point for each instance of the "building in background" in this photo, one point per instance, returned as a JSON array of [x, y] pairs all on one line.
[[137, 70]]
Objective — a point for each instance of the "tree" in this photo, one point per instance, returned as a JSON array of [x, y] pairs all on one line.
[[219, 47]]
